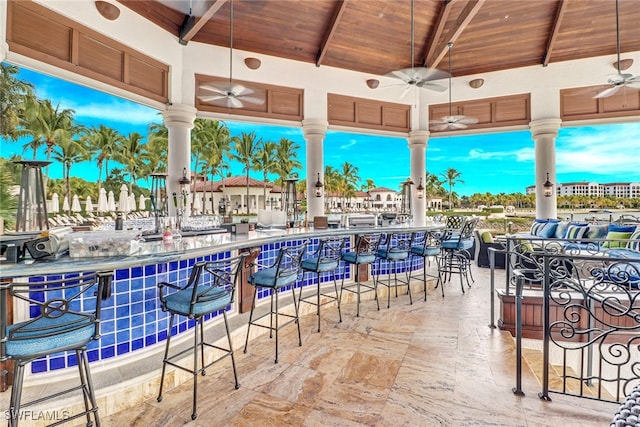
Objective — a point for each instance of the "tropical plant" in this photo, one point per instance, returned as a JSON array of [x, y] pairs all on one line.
[[214, 144], [348, 181], [245, 147], [132, 156], [68, 152], [14, 94], [47, 125], [267, 162], [102, 142], [452, 177]]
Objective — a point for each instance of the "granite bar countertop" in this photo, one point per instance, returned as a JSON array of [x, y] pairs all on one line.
[[145, 253]]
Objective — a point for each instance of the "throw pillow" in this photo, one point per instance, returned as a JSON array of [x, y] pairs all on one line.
[[622, 228], [614, 237], [578, 224], [548, 230], [536, 227], [634, 242], [561, 227], [486, 237], [576, 231]]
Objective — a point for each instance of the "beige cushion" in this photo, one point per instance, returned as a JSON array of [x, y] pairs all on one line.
[[486, 237]]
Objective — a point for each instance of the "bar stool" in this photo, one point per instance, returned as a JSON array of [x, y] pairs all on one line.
[[455, 256], [283, 274], [58, 326], [364, 253], [392, 249], [425, 245], [325, 260], [198, 298]]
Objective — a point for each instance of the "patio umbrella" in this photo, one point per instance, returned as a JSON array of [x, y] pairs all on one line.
[[75, 204], [111, 202], [123, 200], [197, 205], [88, 207], [103, 205], [55, 203], [131, 204], [141, 204], [65, 204]]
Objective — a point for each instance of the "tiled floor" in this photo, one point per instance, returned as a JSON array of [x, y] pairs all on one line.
[[433, 363]]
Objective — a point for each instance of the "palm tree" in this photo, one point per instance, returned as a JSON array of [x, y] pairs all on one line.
[[452, 177], [245, 147], [47, 125], [349, 180], [287, 158], [69, 151], [368, 185], [211, 143], [331, 182], [102, 142], [132, 156], [14, 94], [266, 162]]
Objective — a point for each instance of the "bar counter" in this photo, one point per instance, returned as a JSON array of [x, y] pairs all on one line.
[[132, 319]]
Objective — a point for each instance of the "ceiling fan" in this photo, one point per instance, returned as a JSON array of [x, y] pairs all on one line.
[[452, 122], [420, 77], [620, 80], [229, 95]]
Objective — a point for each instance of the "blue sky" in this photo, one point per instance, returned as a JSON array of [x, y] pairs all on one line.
[[495, 163]]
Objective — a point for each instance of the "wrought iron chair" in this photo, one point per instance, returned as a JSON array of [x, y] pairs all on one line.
[[425, 245], [283, 274], [455, 256], [393, 248], [195, 300], [66, 317], [364, 253], [326, 260]]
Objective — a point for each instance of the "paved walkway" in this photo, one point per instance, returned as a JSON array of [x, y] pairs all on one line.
[[433, 363]]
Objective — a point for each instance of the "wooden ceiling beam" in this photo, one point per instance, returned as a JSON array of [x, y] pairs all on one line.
[[335, 21], [467, 14], [212, 8], [432, 40], [560, 12]]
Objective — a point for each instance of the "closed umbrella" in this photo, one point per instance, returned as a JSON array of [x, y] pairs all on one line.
[[141, 204], [131, 204], [55, 203], [103, 204], [65, 204], [75, 204], [88, 206], [111, 202], [123, 200]]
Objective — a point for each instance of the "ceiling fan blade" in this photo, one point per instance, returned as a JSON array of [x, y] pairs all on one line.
[[251, 99], [457, 125], [609, 92], [212, 98], [214, 89], [441, 126], [633, 81], [233, 102], [241, 90], [429, 74], [432, 86]]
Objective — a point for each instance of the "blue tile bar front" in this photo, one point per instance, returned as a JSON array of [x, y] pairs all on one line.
[[132, 319]]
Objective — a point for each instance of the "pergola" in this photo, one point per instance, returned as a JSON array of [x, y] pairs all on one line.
[[325, 64]]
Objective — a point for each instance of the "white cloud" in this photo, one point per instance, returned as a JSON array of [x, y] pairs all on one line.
[[349, 144], [118, 111]]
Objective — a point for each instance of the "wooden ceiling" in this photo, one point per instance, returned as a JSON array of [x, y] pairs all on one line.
[[374, 36]]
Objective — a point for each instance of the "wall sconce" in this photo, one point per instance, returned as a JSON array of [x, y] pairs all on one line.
[[420, 190], [548, 187], [319, 186], [252, 63], [476, 83], [373, 83]]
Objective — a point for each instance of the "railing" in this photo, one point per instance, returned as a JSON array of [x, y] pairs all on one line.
[[591, 318]]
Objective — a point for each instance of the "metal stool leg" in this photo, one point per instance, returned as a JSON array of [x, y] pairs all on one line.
[[166, 356]]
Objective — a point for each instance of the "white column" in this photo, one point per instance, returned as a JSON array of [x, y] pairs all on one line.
[[314, 133], [544, 133], [178, 119], [418, 154]]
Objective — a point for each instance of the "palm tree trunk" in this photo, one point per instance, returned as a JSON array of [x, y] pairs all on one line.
[[247, 201]]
